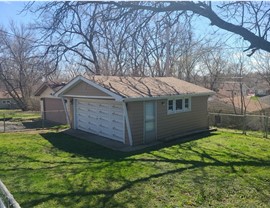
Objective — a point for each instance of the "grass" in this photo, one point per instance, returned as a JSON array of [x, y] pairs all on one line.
[[222, 169], [18, 115], [256, 98]]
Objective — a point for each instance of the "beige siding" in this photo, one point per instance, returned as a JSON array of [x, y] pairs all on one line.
[[171, 125], [54, 110], [47, 93], [85, 89], [135, 114]]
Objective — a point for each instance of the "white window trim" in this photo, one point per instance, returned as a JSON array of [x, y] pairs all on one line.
[[183, 105], [5, 102]]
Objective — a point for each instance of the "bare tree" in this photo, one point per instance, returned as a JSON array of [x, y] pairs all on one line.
[[238, 95], [98, 39], [248, 19], [191, 55], [70, 29], [20, 66], [262, 65], [213, 66]]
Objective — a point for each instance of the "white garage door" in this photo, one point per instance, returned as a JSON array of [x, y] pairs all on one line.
[[101, 118]]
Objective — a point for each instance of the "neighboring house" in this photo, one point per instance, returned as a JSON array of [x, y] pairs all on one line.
[[262, 92], [221, 104], [230, 89], [51, 107], [265, 99], [135, 110], [225, 107], [261, 88], [6, 101]]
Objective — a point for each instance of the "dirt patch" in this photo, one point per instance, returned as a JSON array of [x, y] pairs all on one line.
[[11, 126], [15, 126]]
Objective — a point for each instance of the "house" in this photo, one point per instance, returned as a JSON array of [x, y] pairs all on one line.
[[262, 89], [6, 101], [135, 110], [51, 107], [230, 89], [226, 112], [221, 104]]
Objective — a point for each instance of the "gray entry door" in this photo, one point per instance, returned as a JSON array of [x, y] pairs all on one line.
[[149, 121]]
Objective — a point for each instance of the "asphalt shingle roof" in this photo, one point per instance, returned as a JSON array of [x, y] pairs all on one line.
[[131, 87]]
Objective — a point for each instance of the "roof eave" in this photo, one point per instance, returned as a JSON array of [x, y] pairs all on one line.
[[41, 89], [77, 79]]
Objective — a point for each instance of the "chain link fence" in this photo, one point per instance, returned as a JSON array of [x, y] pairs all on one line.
[[247, 124], [6, 198], [15, 120]]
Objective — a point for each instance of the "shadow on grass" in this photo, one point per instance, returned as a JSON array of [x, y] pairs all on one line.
[[83, 148], [38, 123], [104, 196]]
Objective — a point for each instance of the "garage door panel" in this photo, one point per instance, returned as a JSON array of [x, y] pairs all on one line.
[[83, 116], [104, 119], [83, 126], [83, 110]]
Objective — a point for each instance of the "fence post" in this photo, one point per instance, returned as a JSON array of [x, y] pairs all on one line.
[[244, 124], [43, 118], [4, 122], [266, 126]]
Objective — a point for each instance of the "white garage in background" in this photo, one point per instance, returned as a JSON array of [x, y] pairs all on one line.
[[104, 118]]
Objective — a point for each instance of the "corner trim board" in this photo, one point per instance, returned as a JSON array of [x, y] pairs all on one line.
[[66, 112], [130, 139]]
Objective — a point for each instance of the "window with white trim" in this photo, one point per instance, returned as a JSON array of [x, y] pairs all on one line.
[[6, 102], [187, 101], [170, 106], [178, 105]]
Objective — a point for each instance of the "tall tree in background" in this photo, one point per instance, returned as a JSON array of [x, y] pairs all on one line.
[[70, 29], [20, 66], [121, 38], [250, 20], [262, 65], [96, 37], [213, 66]]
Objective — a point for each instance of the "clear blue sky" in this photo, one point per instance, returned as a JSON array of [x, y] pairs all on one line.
[[10, 10]]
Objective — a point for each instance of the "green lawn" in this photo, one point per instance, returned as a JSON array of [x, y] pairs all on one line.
[[18, 115], [54, 170]]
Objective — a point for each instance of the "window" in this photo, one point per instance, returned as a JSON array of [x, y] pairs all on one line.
[[179, 105], [6, 102], [186, 103], [170, 105]]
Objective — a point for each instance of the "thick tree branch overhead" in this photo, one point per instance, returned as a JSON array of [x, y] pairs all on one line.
[[252, 23], [143, 38]]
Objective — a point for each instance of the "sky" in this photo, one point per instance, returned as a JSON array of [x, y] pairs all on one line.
[[11, 10]]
